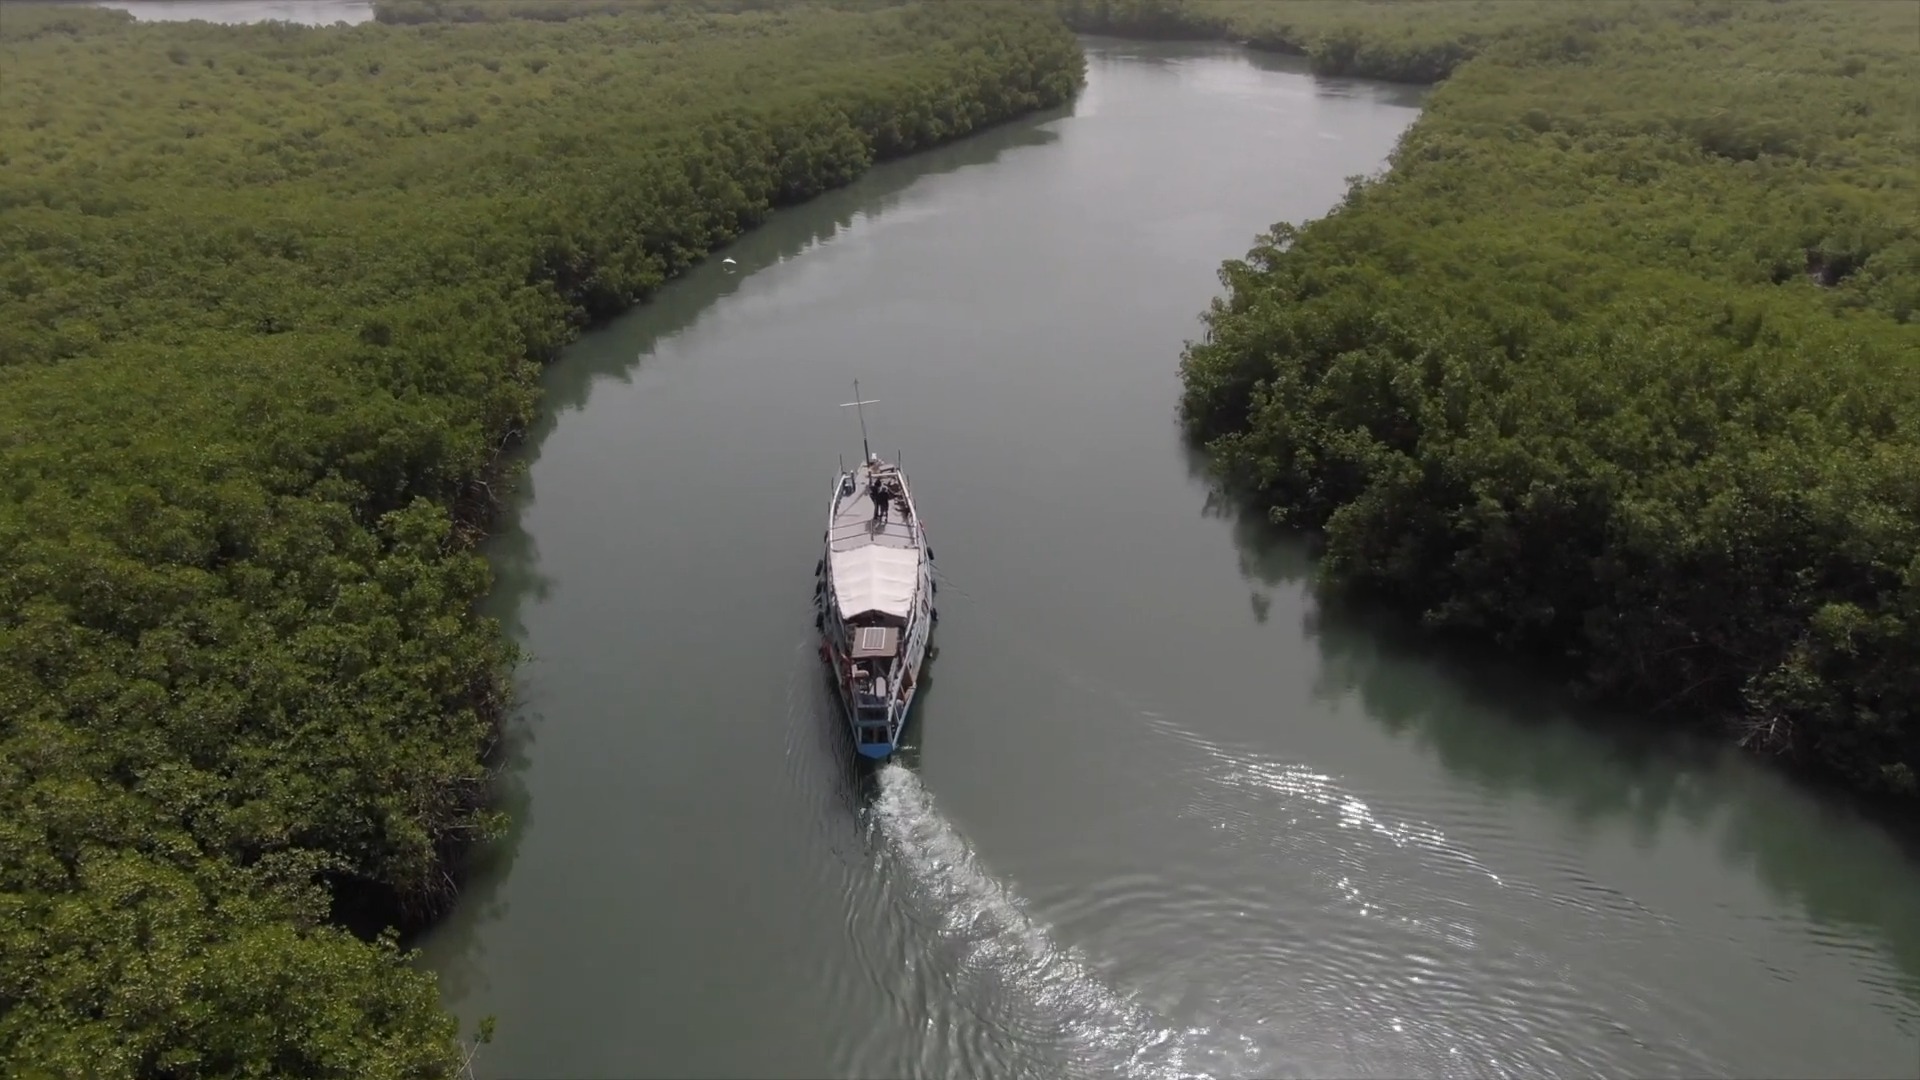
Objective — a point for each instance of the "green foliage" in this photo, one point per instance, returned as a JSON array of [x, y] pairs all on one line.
[[271, 304], [1619, 363], [151, 969]]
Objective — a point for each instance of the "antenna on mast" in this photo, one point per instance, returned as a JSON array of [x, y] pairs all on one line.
[[865, 454]]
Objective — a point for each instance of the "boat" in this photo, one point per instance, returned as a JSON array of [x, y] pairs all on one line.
[[874, 597]]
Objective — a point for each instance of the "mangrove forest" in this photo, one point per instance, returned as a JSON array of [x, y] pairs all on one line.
[[1617, 365], [272, 304]]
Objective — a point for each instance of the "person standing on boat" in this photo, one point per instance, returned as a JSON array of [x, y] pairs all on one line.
[[877, 492]]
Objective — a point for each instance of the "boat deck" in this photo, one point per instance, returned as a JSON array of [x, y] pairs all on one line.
[[853, 521]]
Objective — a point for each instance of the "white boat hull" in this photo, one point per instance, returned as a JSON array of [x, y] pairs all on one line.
[[875, 609]]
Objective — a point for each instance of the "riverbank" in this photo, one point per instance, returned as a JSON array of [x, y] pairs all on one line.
[[1620, 382], [275, 303]]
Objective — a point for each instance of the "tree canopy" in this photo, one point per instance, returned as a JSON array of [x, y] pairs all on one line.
[[272, 300], [1618, 363]]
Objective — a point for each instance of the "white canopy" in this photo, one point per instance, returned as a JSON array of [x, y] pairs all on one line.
[[875, 578]]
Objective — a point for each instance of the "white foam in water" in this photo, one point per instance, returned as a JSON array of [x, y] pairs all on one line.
[[1292, 781], [980, 917], [1249, 771]]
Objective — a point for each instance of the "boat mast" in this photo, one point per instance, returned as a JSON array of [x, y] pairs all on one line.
[[865, 454]]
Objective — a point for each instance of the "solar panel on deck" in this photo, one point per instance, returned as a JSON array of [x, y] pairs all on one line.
[[874, 641]]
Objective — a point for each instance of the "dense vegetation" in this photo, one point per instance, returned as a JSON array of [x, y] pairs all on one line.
[[1618, 365], [271, 302]]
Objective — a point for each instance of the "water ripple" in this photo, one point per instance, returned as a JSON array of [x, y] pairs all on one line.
[[1289, 780], [1018, 991], [1417, 972]]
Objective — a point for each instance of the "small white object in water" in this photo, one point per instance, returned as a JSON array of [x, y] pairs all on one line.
[[727, 261]]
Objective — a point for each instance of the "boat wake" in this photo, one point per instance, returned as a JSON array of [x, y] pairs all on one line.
[[1023, 995]]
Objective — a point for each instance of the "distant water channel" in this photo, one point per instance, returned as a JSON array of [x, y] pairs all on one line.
[[1163, 816], [310, 12]]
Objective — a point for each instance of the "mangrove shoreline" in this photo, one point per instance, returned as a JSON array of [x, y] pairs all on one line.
[[1619, 383], [276, 302], [1615, 368]]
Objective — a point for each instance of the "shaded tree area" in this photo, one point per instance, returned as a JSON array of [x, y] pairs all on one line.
[[1617, 366], [272, 302]]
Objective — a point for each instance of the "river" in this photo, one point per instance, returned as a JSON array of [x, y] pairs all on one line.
[[1162, 814], [307, 12]]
